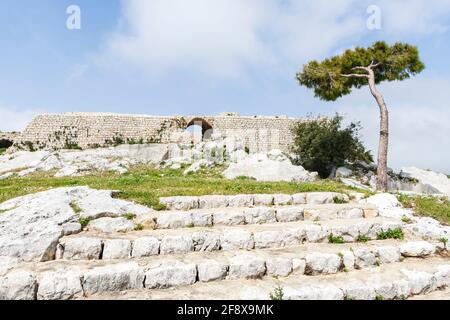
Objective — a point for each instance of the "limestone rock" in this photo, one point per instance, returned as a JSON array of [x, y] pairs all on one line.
[[237, 239], [322, 263], [117, 249], [114, 277], [145, 247], [176, 244], [229, 218], [279, 267], [18, 285], [170, 274], [82, 248], [364, 258], [63, 284], [247, 266], [289, 214], [438, 181], [111, 225], [212, 270], [388, 254], [417, 249], [259, 215]]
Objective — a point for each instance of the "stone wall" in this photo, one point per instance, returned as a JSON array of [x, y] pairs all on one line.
[[89, 130]]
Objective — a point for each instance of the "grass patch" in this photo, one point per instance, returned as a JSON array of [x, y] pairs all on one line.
[[338, 200], [2, 151], [145, 184], [84, 222], [335, 239], [75, 207], [138, 227], [396, 233], [434, 207], [362, 238], [129, 216]]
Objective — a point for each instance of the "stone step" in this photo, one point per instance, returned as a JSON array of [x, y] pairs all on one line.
[[83, 278], [250, 200], [399, 280], [93, 245], [257, 215]]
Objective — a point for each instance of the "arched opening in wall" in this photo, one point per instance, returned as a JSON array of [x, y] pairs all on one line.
[[199, 129], [5, 143]]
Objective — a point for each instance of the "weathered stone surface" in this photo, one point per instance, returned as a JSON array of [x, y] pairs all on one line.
[[388, 254], [111, 225], [438, 181], [145, 247], [113, 277], [356, 290], [289, 214], [237, 239], [212, 270], [298, 266], [170, 274], [442, 276], [383, 289], [117, 249], [82, 248], [206, 241], [63, 284], [348, 260], [279, 267], [321, 197], [32, 225], [229, 218], [263, 199], [176, 244], [282, 199], [350, 213], [322, 263], [212, 201], [402, 288], [417, 249], [314, 292], [202, 219], [7, 263], [261, 168], [343, 172], [174, 220], [299, 198], [420, 282], [180, 203], [247, 266], [240, 200], [18, 285], [364, 258], [268, 239], [259, 215]]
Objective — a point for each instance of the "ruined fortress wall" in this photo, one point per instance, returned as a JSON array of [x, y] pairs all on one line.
[[87, 130]]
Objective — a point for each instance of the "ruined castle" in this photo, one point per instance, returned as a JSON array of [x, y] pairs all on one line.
[[91, 130]]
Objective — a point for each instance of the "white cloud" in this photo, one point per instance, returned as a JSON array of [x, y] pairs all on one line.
[[419, 115], [14, 119], [415, 17]]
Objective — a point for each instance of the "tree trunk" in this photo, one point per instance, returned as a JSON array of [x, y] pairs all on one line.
[[384, 135]]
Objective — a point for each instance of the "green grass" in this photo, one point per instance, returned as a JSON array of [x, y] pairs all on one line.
[[396, 233], [277, 294], [362, 238], [2, 151], [437, 208], [75, 207], [335, 239], [129, 216], [146, 184]]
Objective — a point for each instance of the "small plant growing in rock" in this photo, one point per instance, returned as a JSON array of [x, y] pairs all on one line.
[[341, 255], [159, 207], [444, 241], [190, 225], [335, 239], [138, 227], [129, 216], [405, 219], [277, 294], [84, 222], [338, 200], [379, 297], [75, 207], [362, 238], [396, 233]]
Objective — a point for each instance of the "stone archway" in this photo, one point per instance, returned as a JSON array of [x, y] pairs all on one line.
[[205, 126]]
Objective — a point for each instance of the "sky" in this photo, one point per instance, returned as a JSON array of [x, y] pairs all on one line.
[[170, 57]]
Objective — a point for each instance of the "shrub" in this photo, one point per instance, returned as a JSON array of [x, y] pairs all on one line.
[[138, 227], [278, 294], [322, 144], [362, 238]]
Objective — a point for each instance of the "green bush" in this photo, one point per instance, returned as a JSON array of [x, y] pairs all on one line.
[[322, 144]]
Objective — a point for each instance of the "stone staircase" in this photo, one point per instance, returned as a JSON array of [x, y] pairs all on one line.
[[313, 245]]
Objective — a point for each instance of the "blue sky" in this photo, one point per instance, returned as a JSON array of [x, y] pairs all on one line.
[[211, 56]]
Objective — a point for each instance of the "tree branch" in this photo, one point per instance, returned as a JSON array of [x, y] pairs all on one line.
[[355, 75]]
